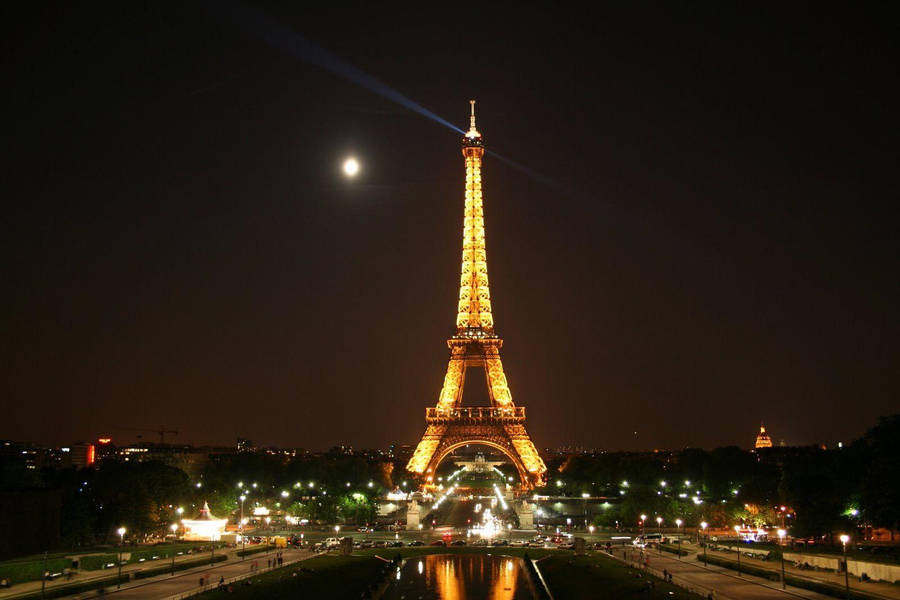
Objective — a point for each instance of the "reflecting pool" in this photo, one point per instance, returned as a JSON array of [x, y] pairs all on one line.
[[461, 577]]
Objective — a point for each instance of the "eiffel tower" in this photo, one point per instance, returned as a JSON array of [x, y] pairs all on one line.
[[450, 425]]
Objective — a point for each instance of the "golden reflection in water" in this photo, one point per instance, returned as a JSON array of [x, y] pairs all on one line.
[[448, 575], [504, 578]]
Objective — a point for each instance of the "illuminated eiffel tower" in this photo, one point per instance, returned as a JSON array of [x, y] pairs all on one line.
[[501, 425]]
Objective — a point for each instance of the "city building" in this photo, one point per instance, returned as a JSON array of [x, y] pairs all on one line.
[[762, 439]]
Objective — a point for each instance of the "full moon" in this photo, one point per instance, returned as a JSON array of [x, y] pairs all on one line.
[[351, 167]]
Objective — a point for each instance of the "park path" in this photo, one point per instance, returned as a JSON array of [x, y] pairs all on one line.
[[178, 586], [167, 585], [885, 590], [728, 586], [81, 576]]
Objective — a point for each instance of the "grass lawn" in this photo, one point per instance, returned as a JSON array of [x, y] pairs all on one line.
[[333, 577], [598, 576]]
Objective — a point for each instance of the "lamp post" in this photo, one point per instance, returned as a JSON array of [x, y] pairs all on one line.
[[678, 523], [659, 531], [703, 526], [737, 532], [643, 518], [174, 528], [844, 539], [781, 534], [121, 532], [241, 528]]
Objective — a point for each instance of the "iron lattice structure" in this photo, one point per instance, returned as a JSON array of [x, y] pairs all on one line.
[[502, 424]]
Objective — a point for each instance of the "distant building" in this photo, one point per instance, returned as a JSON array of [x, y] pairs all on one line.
[[762, 439], [245, 445], [82, 455]]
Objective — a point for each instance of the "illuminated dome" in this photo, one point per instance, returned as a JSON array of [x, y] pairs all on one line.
[[763, 440]]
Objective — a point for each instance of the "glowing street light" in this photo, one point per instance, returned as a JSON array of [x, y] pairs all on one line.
[[703, 526], [659, 521], [678, 523], [844, 539], [121, 532], [174, 528], [737, 531], [781, 534]]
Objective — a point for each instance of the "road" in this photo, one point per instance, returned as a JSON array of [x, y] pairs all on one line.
[[189, 581]]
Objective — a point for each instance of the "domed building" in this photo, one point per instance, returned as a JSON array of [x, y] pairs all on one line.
[[762, 439]]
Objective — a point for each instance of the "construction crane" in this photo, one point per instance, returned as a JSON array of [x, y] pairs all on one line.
[[162, 431]]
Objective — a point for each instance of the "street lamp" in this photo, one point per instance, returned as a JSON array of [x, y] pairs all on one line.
[[844, 539], [781, 534], [591, 529], [703, 526], [737, 532], [643, 518], [121, 532], [678, 523], [659, 531], [241, 528], [174, 528]]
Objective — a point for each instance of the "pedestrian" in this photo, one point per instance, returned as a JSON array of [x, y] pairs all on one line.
[[201, 581], [665, 575], [269, 563]]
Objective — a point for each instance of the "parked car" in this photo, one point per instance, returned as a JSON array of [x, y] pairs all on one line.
[[438, 543], [459, 543], [417, 543], [500, 543]]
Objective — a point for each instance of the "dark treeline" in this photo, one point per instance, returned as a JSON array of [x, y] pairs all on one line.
[[145, 497], [822, 491]]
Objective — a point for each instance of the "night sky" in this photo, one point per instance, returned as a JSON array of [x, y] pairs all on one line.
[[706, 239]]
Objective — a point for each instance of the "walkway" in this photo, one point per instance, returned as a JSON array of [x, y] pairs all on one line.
[[728, 586], [884, 590], [162, 585]]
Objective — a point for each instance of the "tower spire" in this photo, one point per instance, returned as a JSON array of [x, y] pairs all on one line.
[[472, 134]]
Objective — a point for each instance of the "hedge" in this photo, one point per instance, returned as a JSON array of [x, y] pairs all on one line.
[[31, 570], [674, 550], [255, 550], [94, 562], [792, 580], [75, 588], [179, 566]]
